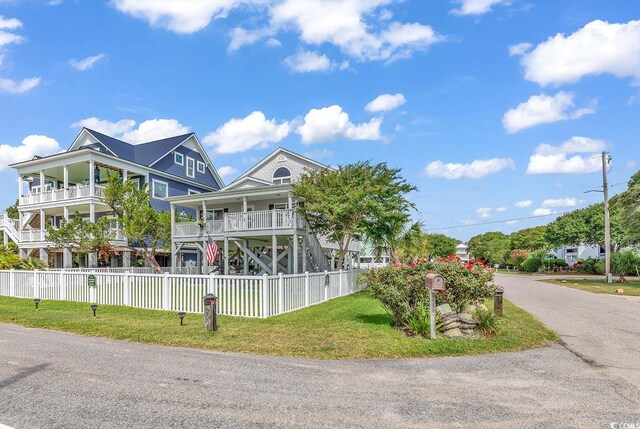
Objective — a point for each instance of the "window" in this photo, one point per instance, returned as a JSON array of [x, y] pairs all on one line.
[[282, 175], [216, 214], [178, 158], [200, 167], [192, 192], [278, 206], [191, 167], [160, 189]]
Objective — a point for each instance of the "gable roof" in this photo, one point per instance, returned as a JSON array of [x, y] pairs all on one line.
[[272, 155]]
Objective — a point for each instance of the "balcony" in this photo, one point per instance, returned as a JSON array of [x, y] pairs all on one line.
[[39, 236], [266, 220], [71, 193]]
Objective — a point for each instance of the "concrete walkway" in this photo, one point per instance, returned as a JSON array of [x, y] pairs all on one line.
[[53, 379]]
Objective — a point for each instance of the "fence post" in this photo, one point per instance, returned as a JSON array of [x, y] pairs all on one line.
[[36, 285], [306, 288], [126, 290], [326, 284], [12, 283], [166, 293], [63, 287], [280, 294], [340, 284], [265, 296], [210, 285]]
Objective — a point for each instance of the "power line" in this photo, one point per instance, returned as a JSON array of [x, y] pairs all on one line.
[[495, 221]]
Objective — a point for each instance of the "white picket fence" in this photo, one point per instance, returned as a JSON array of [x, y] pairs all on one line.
[[245, 296]]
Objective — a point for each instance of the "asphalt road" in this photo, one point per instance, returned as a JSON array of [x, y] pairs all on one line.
[[53, 379]]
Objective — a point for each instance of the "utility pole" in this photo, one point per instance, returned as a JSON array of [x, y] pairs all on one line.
[[607, 225]]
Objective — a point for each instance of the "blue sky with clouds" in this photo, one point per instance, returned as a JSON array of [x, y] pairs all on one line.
[[493, 108]]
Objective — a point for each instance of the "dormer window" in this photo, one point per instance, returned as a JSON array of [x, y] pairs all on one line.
[[281, 175], [178, 158]]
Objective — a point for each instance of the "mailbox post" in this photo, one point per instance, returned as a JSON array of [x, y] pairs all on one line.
[[434, 283], [210, 312]]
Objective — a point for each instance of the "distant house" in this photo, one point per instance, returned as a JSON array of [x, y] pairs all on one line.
[[461, 252], [53, 188], [571, 254]]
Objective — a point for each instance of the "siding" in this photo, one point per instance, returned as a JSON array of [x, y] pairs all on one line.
[[168, 165], [176, 189], [296, 165]]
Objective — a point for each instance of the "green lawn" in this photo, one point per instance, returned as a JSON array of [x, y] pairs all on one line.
[[354, 326], [631, 287]]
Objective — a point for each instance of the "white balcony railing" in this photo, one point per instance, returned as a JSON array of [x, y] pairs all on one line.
[[80, 191], [242, 222]]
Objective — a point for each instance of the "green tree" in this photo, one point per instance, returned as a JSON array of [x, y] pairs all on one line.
[[530, 238], [584, 226], [627, 209], [12, 210], [148, 231], [83, 236], [442, 245], [402, 240], [493, 247], [352, 201]]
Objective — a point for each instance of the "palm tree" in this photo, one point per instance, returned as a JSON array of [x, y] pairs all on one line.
[[400, 238]]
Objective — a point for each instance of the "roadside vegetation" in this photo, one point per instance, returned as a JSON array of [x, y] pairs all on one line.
[[356, 326], [629, 288]]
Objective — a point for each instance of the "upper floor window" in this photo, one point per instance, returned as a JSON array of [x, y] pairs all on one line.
[[191, 167], [192, 192], [178, 158], [200, 167], [282, 175], [160, 189]]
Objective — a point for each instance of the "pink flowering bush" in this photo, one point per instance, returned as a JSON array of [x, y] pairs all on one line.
[[401, 288]]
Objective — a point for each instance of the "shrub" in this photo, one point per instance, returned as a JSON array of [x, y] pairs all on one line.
[[599, 266], [420, 322], [487, 322], [588, 266], [401, 288], [531, 264], [625, 264]]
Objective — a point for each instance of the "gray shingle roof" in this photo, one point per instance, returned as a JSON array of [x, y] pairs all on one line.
[[144, 153]]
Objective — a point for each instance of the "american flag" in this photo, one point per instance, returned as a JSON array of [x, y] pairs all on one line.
[[212, 251]]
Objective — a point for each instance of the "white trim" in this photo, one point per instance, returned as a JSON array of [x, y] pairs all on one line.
[[237, 183], [175, 158], [283, 179], [204, 167], [86, 130], [153, 188], [274, 154], [192, 191], [186, 164]]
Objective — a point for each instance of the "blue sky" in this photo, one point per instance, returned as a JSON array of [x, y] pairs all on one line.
[[529, 90]]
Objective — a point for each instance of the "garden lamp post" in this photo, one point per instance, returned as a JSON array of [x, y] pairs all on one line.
[[94, 307], [36, 301], [181, 315]]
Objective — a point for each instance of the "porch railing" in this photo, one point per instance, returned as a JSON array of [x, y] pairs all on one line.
[[80, 191], [242, 221]]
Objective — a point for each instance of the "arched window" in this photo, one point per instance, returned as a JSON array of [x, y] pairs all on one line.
[[282, 175]]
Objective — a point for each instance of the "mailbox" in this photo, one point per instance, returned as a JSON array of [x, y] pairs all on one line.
[[210, 312], [434, 282]]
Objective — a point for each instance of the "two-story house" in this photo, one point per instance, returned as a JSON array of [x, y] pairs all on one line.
[[55, 187], [254, 223]]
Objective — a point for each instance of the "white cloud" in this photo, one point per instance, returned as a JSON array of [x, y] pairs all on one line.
[[177, 15], [519, 49], [241, 37], [331, 123], [475, 7], [308, 61], [124, 129], [31, 146], [512, 222], [501, 209], [7, 25], [542, 109], [18, 87], [86, 63], [542, 212], [468, 222], [386, 103], [549, 159], [484, 212], [560, 202], [524, 203], [226, 171], [476, 169], [241, 134], [598, 47]]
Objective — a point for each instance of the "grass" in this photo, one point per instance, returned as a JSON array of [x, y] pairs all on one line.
[[354, 326], [631, 287]]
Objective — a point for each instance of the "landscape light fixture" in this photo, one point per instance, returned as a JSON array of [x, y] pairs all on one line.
[[181, 314], [36, 301], [94, 307]]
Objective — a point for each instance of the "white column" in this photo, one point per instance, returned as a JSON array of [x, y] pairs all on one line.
[[42, 220], [41, 181], [226, 256], [92, 178], [20, 185], [295, 253], [66, 213], [65, 174], [290, 201], [274, 255], [244, 204], [125, 175], [92, 212], [172, 209]]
